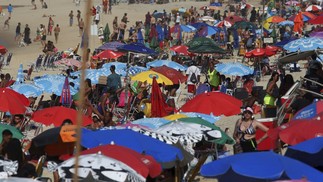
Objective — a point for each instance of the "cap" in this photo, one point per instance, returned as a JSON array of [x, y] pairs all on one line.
[[248, 109]]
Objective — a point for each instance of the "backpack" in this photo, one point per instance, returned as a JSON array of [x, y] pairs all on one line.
[[193, 78]]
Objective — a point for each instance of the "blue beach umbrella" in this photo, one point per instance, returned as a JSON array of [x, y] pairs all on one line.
[[118, 65], [27, 89], [309, 111], [310, 152], [165, 154], [259, 166], [140, 37], [304, 44], [235, 69], [20, 75], [286, 23], [111, 46], [54, 84], [284, 42], [210, 118], [137, 48], [168, 63], [151, 123]]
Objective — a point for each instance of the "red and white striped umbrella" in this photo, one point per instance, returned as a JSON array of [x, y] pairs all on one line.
[[223, 23], [313, 8]]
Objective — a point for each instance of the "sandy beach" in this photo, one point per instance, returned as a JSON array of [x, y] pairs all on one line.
[[69, 36]]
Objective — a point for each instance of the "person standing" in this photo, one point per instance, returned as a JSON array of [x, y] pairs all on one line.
[[122, 28], [193, 74], [57, 29], [71, 16], [113, 85], [214, 76], [27, 35], [18, 32], [78, 16], [97, 18], [43, 34], [50, 26], [125, 18], [10, 8], [6, 23], [81, 27]]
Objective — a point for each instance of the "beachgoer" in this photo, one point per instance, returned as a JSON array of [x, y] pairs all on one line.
[[50, 26], [125, 18], [272, 90], [27, 35], [33, 4], [57, 29], [78, 16], [71, 16], [315, 74], [193, 74], [122, 29], [81, 27], [6, 137], [115, 33], [18, 32], [97, 18], [18, 120], [245, 131], [105, 6], [43, 34], [10, 8], [213, 76], [6, 23], [113, 85]]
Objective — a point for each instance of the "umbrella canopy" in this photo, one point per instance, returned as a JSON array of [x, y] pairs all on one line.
[[284, 42], [296, 56], [108, 54], [163, 153], [207, 30], [151, 123], [100, 167], [66, 97], [244, 25], [145, 165], [54, 84], [27, 89], [137, 48], [207, 18], [275, 19], [111, 46], [181, 49], [183, 28], [168, 63], [213, 102], [310, 152], [235, 69], [292, 3], [175, 116], [209, 118], [317, 20], [12, 101], [56, 141], [200, 41], [260, 52], [204, 45], [233, 19], [286, 23], [56, 115], [3, 49], [16, 133], [304, 44], [149, 75], [313, 8], [223, 23], [259, 166], [309, 112], [317, 34], [175, 76]]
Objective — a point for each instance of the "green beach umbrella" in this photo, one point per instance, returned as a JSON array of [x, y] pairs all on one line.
[[201, 41], [244, 25], [16, 133], [207, 49]]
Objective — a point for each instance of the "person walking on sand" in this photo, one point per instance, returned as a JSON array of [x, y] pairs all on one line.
[[71, 15], [33, 4], [78, 16], [43, 34], [6, 24], [81, 27], [50, 26], [10, 9], [57, 29], [18, 32]]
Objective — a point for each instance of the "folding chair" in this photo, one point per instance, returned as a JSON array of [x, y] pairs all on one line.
[[40, 165]]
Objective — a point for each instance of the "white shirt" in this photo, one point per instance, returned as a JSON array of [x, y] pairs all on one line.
[[178, 19], [97, 17], [190, 70]]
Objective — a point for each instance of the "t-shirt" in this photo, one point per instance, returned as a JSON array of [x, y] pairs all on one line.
[[113, 82], [214, 78], [190, 70]]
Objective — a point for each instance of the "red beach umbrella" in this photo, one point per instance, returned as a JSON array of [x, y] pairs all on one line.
[[3, 49], [174, 75], [108, 54], [181, 49], [13, 101], [233, 19], [317, 20], [56, 115], [216, 103]]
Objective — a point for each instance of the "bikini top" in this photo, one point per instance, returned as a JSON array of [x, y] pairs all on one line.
[[250, 130]]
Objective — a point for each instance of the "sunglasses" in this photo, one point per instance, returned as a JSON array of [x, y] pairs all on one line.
[[247, 112]]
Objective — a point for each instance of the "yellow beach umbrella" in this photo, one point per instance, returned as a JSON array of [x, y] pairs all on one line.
[[149, 75], [175, 116], [275, 19]]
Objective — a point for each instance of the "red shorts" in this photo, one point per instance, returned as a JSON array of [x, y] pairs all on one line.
[[191, 88]]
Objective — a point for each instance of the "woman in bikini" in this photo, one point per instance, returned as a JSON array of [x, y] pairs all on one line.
[[245, 131]]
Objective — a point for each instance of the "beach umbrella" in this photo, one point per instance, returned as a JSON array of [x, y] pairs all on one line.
[[204, 45], [183, 28], [309, 112], [317, 34], [54, 84], [158, 14], [304, 44], [3, 49], [223, 23], [181, 49], [207, 18], [149, 75], [206, 30], [165, 154], [213, 102], [199, 25], [317, 20], [158, 104], [15, 132], [56, 115], [12, 101], [106, 33], [55, 141], [151, 123], [292, 3], [235, 69], [286, 23], [27, 89], [244, 25], [284, 42], [18, 179], [260, 52], [174, 75], [66, 97], [259, 166], [94, 74], [275, 19], [209, 118], [175, 116], [296, 56], [234, 19], [136, 48], [99, 167], [20, 75], [111, 46], [168, 63], [142, 164], [313, 8], [309, 152], [108, 54], [118, 65]]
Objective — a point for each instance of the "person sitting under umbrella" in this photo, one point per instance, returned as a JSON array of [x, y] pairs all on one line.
[[6, 136], [245, 131]]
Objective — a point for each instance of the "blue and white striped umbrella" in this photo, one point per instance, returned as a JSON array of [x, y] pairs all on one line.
[[286, 23], [54, 84], [320, 58], [132, 70], [152, 123], [28, 89], [168, 63], [235, 69], [210, 118], [20, 75], [304, 44], [93, 74], [118, 65]]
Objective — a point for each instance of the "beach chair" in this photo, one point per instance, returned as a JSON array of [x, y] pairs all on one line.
[[8, 59], [240, 93], [40, 165], [39, 62]]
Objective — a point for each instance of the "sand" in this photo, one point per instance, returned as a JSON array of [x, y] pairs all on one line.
[[69, 36]]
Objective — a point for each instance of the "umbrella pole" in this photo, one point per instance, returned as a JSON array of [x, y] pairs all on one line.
[[127, 80], [82, 87]]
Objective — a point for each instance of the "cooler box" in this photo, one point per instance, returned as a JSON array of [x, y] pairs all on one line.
[[268, 143]]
